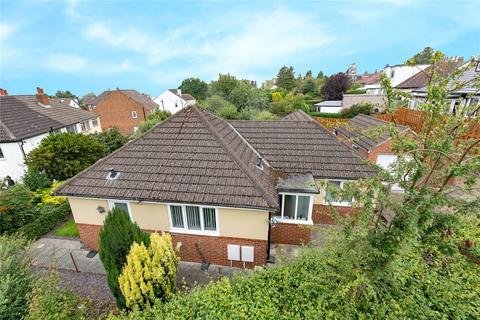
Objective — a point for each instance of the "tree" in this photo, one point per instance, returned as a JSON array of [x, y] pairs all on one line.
[[196, 87], [320, 75], [152, 120], [290, 103], [335, 85], [308, 74], [65, 94], [309, 85], [246, 96], [150, 272], [61, 156], [220, 107], [112, 139], [224, 85], [35, 180], [115, 239], [423, 57], [286, 78], [16, 208]]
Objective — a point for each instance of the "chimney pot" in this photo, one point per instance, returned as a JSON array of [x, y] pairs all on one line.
[[39, 90], [3, 92], [42, 97]]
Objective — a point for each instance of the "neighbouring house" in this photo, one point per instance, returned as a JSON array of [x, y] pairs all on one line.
[[25, 120], [465, 96], [123, 109], [173, 100], [370, 137], [88, 101], [397, 74], [65, 101], [378, 100], [329, 106], [224, 190]]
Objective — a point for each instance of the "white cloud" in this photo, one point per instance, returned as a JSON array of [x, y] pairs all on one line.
[[66, 63], [6, 30]]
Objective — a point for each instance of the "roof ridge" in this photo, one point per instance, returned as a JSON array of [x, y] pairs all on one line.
[[234, 156]]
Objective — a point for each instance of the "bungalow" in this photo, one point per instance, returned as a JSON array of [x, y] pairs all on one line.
[[173, 100], [224, 190], [27, 119], [329, 106]]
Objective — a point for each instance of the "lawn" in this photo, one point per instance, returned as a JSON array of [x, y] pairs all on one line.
[[68, 229]]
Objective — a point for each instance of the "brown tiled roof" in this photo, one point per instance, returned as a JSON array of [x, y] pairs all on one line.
[[299, 115], [193, 157], [143, 99], [184, 96], [22, 117], [420, 79], [302, 146], [357, 129], [369, 79]]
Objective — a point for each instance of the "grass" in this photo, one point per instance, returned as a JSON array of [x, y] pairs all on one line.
[[68, 229]]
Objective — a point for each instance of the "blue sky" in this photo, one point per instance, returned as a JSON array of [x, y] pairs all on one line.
[[151, 46]]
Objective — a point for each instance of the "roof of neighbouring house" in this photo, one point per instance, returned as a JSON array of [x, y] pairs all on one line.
[[297, 115], [420, 79], [184, 96], [196, 157], [22, 117], [369, 78], [329, 103], [143, 99], [360, 130], [88, 100]]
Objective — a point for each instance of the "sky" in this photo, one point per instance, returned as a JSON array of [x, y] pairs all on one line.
[[150, 46]]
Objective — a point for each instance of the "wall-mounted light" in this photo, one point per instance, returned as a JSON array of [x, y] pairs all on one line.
[[101, 209]]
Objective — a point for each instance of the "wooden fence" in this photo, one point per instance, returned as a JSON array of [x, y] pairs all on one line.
[[330, 123]]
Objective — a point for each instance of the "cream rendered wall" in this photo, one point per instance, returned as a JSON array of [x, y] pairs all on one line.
[[85, 210], [150, 216], [320, 197], [242, 223]]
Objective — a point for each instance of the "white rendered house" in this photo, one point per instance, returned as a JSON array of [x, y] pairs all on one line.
[[173, 100]]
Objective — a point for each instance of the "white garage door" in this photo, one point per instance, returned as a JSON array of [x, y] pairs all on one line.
[[385, 160]]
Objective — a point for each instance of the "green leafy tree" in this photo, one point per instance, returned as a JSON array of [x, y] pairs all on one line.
[[263, 115], [61, 156], [286, 78], [220, 107], [112, 139], [16, 279], [65, 94], [246, 96], [224, 85], [320, 75], [16, 208], [423, 57], [335, 85], [150, 272], [152, 120], [116, 237], [35, 180], [309, 85], [196, 87], [290, 103]]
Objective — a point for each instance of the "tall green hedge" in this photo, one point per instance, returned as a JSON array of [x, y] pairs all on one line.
[[48, 217]]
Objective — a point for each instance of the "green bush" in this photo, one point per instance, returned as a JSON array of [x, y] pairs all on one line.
[[16, 208], [47, 218], [35, 180], [327, 115], [112, 139], [16, 280], [152, 120], [116, 237], [356, 91], [356, 109]]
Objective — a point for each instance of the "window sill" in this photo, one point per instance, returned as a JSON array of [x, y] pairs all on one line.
[[292, 221], [196, 232]]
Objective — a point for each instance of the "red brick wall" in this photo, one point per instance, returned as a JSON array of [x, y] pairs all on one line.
[[384, 148], [214, 249], [289, 233], [322, 214], [116, 111]]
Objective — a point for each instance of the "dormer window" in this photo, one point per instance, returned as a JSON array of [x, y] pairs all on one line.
[[113, 174], [259, 163]]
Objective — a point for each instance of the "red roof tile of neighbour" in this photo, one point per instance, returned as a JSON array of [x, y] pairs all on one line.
[[369, 79], [143, 99]]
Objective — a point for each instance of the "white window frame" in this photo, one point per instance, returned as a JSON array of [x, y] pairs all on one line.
[[185, 223], [337, 203], [94, 122], [310, 208], [134, 115], [111, 205]]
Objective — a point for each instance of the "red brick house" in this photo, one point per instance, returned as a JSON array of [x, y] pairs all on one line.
[[223, 189], [123, 109]]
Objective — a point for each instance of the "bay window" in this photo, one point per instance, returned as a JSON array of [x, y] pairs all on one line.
[[193, 219], [295, 208], [332, 191]]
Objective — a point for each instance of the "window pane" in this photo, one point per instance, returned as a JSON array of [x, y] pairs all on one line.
[[289, 207], [209, 219], [121, 205], [193, 217], [177, 217], [302, 207], [332, 186]]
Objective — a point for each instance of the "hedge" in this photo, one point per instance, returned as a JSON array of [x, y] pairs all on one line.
[[327, 115], [49, 216]]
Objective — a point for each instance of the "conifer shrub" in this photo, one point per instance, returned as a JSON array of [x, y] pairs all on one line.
[[116, 237], [150, 272]]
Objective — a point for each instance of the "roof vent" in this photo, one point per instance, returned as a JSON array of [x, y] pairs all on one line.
[[112, 174], [259, 162]]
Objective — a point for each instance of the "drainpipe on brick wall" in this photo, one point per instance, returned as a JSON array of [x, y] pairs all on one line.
[[269, 258]]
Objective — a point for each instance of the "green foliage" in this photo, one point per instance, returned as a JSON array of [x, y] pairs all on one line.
[[286, 78], [426, 56], [288, 104], [327, 115], [152, 120], [35, 180], [220, 107], [46, 196], [245, 96], [195, 87], [356, 109], [356, 91], [61, 156], [16, 280], [112, 139], [150, 272], [263, 115], [45, 219], [65, 94], [68, 229], [309, 85], [224, 85], [277, 96], [48, 301], [16, 208], [116, 237]]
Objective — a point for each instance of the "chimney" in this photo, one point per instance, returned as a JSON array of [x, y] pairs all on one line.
[[42, 97], [179, 92], [3, 92]]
